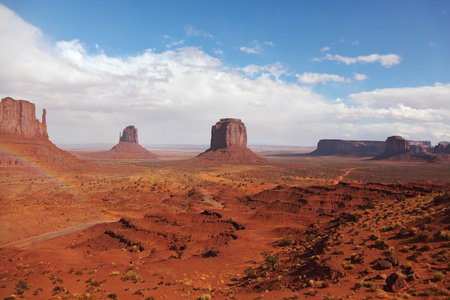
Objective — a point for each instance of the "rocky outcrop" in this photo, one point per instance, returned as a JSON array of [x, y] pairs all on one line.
[[24, 140], [420, 146], [127, 148], [228, 133], [346, 147], [395, 145], [442, 147], [229, 143], [18, 118], [129, 135]]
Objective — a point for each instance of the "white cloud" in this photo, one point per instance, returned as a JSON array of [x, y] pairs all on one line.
[[314, 78], [191, 31], [325, 49], [256, 47], [176, 95], [250, 50], [359, 77], [387, 60], [275, 70]]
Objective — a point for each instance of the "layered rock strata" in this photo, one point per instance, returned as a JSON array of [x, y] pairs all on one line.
[[395, 145], [130, 135], [346, 147], [18, 118], [229, 143]]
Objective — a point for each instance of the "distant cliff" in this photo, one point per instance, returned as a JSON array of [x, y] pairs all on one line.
[[346, 147], [18, 118]]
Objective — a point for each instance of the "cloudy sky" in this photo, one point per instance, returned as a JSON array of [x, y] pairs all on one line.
[[293, 71]]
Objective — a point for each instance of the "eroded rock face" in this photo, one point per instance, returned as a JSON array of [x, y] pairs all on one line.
[[227, 133], [442, 147], [130, 135], [345, 147], [229, 143], [18, 118], [396, 145]]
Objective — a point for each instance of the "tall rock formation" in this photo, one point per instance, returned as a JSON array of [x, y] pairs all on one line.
[[395, 145], [127, 148], [24, 140], [229, 143], [130, 135], [346, 147], [228, 133], [18, 118]]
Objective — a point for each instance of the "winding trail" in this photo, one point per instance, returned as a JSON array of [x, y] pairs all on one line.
[[340, 178], [208, 199]]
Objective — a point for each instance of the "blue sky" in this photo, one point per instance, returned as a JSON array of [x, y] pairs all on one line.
[[293, 71]]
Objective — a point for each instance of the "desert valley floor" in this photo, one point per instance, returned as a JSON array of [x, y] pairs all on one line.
[[293, 227]]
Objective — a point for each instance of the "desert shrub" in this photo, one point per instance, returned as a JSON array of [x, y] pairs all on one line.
[[21, 286], [205, 297], [381, 244], [443, 235], [133, 276], [402, 197], [286, 241], [310, 237], [271, 261], [339, 252], [112, 296], [250, 272], [210, 252], [423, 236], [438, 276]]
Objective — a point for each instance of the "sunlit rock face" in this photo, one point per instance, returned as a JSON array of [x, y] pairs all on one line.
[[129, 134], [229, 144], [395, 145], [18, 118], [228, 133]]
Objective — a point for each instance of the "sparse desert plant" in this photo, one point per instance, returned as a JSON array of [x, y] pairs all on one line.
[[438, 276], [133, 276], [271, 261], [423, 236], [250, 272], [205, 297], [112, 296], [443, 235], [286, 241], [209, 252], [21, 286]]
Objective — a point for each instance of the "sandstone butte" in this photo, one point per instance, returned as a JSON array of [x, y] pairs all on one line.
[[24, 139], [127, 148], [347, 147], [229, 143], [395, 145]]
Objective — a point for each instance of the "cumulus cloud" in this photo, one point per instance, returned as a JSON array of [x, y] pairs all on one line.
[[314, 78], [387, 60], [176, 95], [359, 77], [248, 50]]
